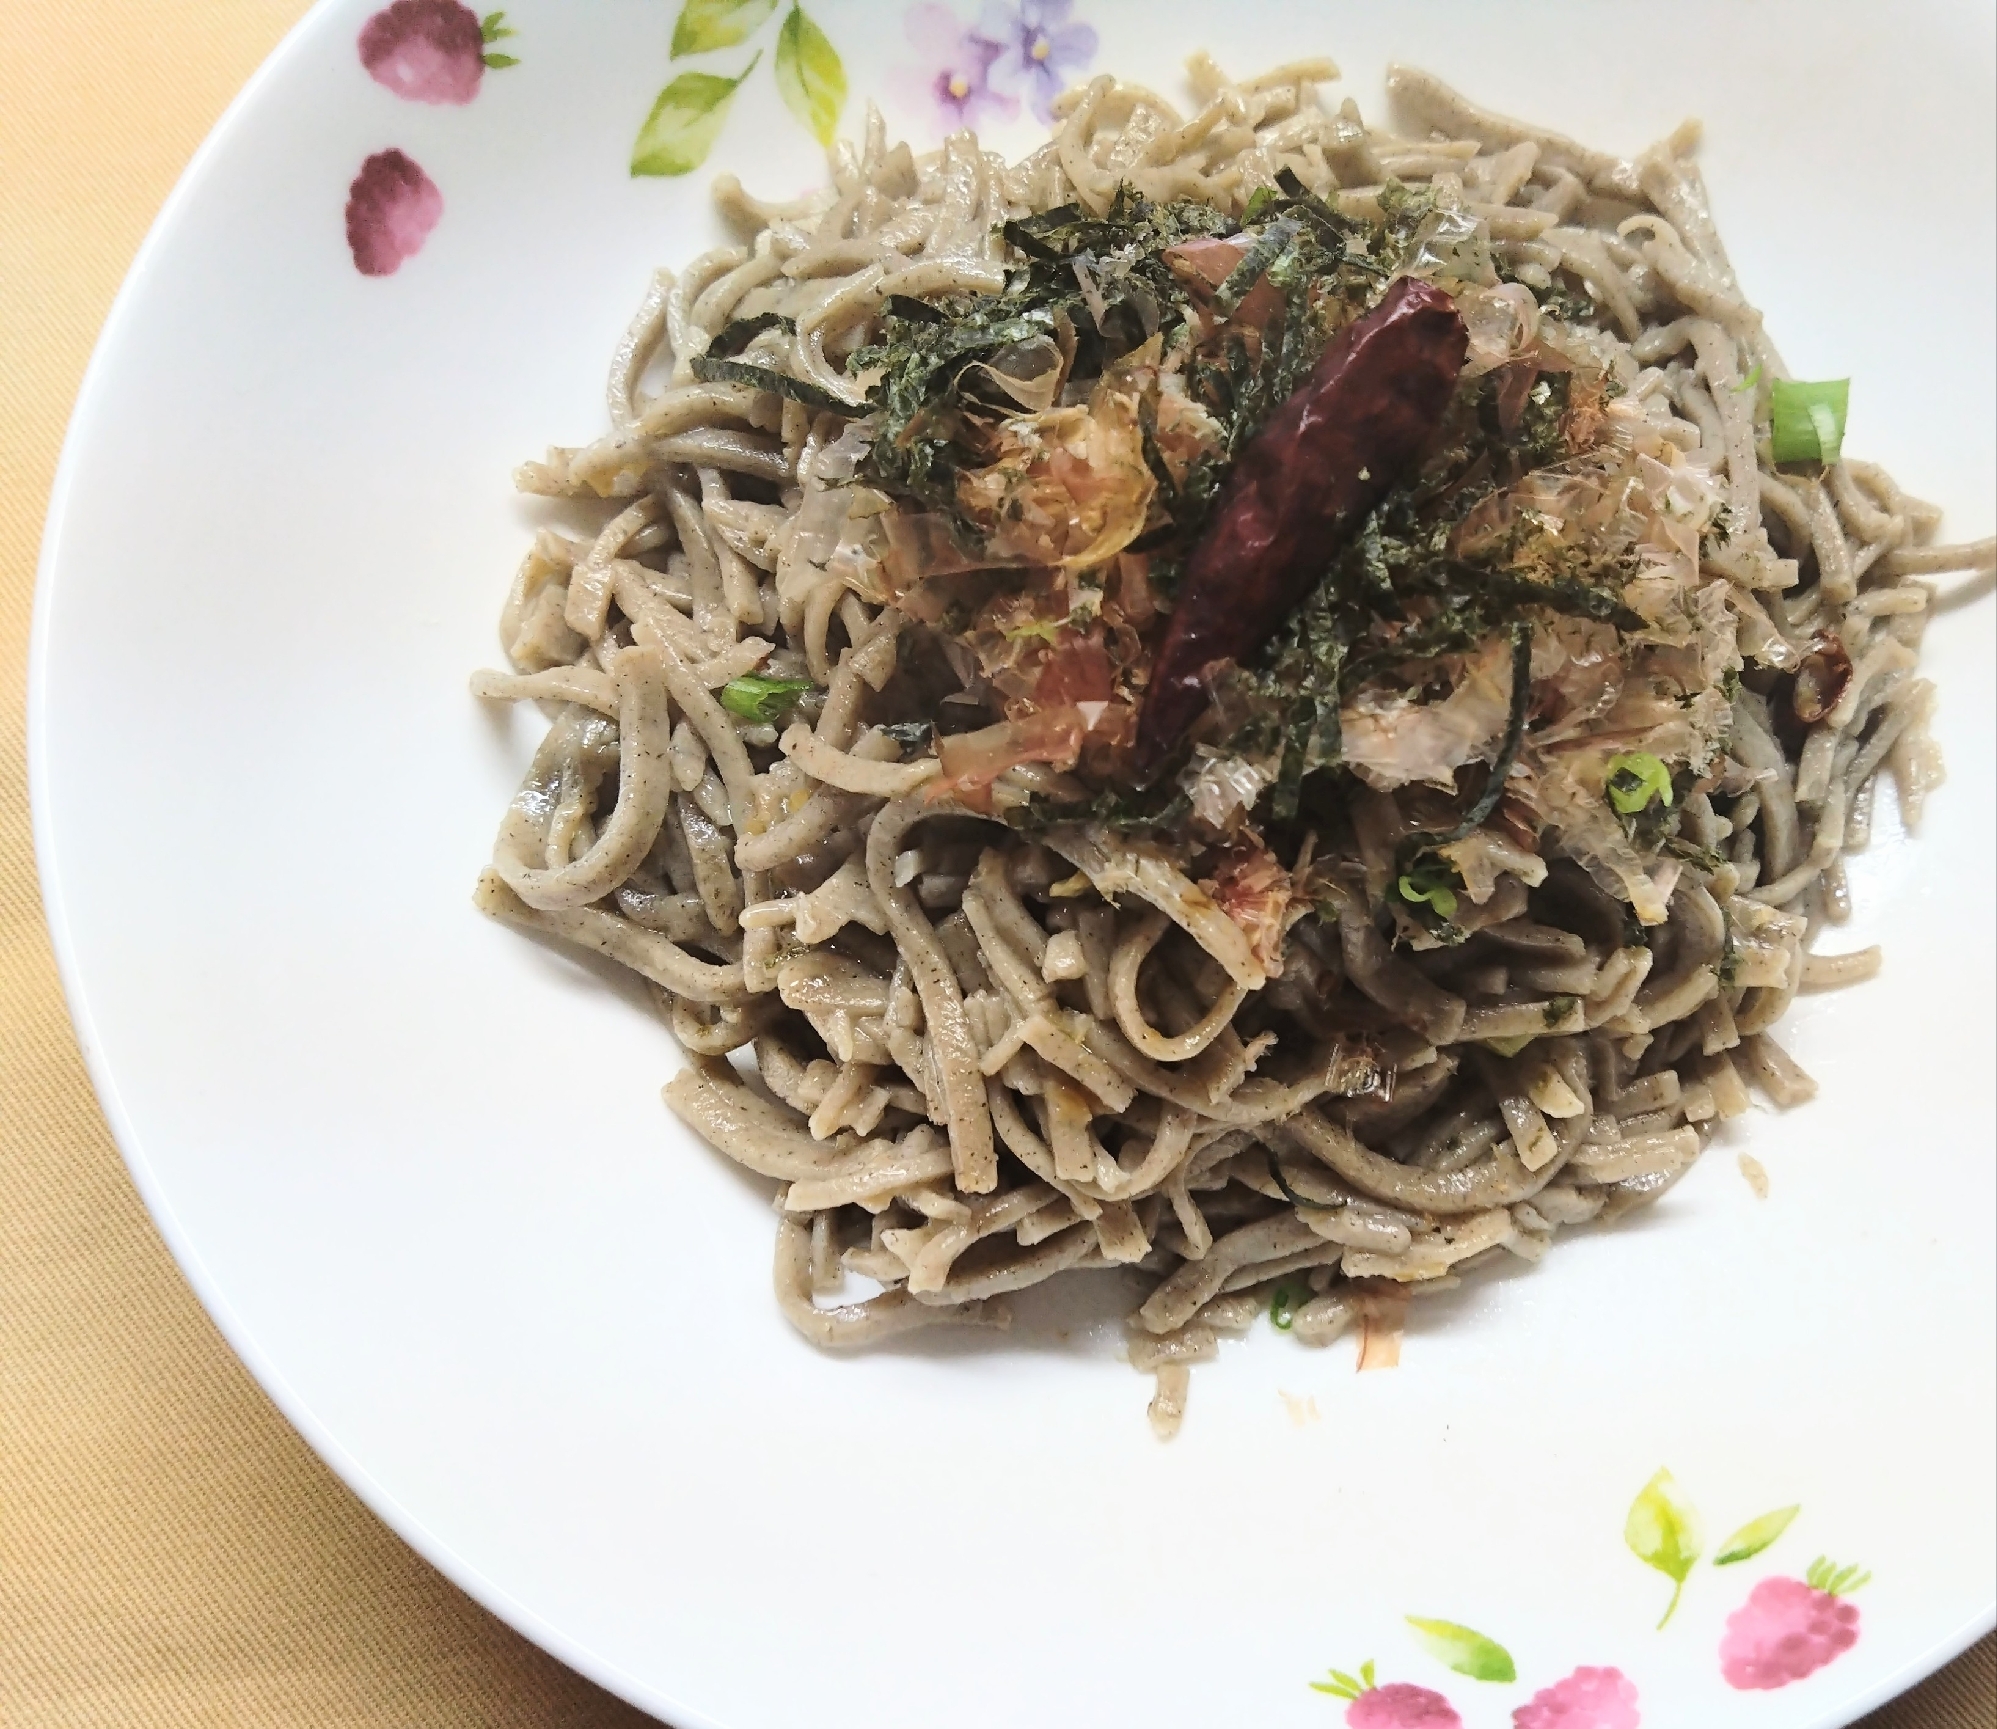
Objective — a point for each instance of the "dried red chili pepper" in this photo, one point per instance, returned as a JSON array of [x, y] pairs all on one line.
[[1303, 484]]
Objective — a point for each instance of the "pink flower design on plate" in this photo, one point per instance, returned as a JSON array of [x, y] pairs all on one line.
[[1040, 52], [426, 50], [1587, 1699], [1398, 1705], [954, 66], [1401, 1705], [391, 208], [1788, 1628]]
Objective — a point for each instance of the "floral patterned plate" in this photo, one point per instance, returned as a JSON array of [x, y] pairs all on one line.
[[1726, 1464]]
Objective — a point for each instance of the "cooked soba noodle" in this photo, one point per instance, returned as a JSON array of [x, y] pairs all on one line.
[[994, 1045]]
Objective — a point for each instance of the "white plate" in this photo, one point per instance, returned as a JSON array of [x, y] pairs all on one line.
[[418, 1168]]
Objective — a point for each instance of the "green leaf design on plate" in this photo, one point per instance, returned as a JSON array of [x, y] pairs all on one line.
[[704, 25], [684, 122], [1827, 1576], [809, 75], [499, 62], [1755, 1536], [493, 26], [1663, 1532], [1463, 1649], [1344, 1686]]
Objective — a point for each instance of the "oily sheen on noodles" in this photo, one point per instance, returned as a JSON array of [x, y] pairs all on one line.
[[1464, 910]]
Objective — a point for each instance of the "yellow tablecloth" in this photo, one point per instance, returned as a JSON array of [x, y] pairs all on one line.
[[170, 1552]]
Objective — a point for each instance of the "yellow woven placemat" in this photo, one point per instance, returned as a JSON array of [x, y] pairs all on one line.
[[171, 1553]]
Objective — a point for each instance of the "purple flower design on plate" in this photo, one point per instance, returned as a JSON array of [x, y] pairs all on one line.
[[425, 50], [391, 208], [954, 65], [433, 50], [1040, 52]]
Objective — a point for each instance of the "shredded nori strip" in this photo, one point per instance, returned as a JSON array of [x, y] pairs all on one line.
[[1425, 840], [711, 371], [738, 333], [1290, 1194], [916, 311], [1398, 595], [1303, 199], [1272, 243], [1159, 807]]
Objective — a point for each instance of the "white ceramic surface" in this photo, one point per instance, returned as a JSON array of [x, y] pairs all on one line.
[[418, 1168]]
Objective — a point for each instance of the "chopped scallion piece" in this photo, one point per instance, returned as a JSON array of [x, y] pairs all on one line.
[[1429, 884], [764, 700], [1438, 895], [1807, 419], [1509, 1047], [1284, 1302], [1635, 779]]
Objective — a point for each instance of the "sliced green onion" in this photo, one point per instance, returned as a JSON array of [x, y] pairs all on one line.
[[1509, 1047], [1429, 887], [765, 700], [1284, 1302], [1808, 419], [1635, 778], [1751, 380]]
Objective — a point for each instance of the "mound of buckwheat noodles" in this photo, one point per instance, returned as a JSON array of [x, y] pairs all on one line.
[[1463, 906]]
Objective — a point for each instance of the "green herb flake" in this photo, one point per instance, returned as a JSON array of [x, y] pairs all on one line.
[[762, 700], [1807, 420], [1636, 780], [1047, 630], [1258, 203]]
